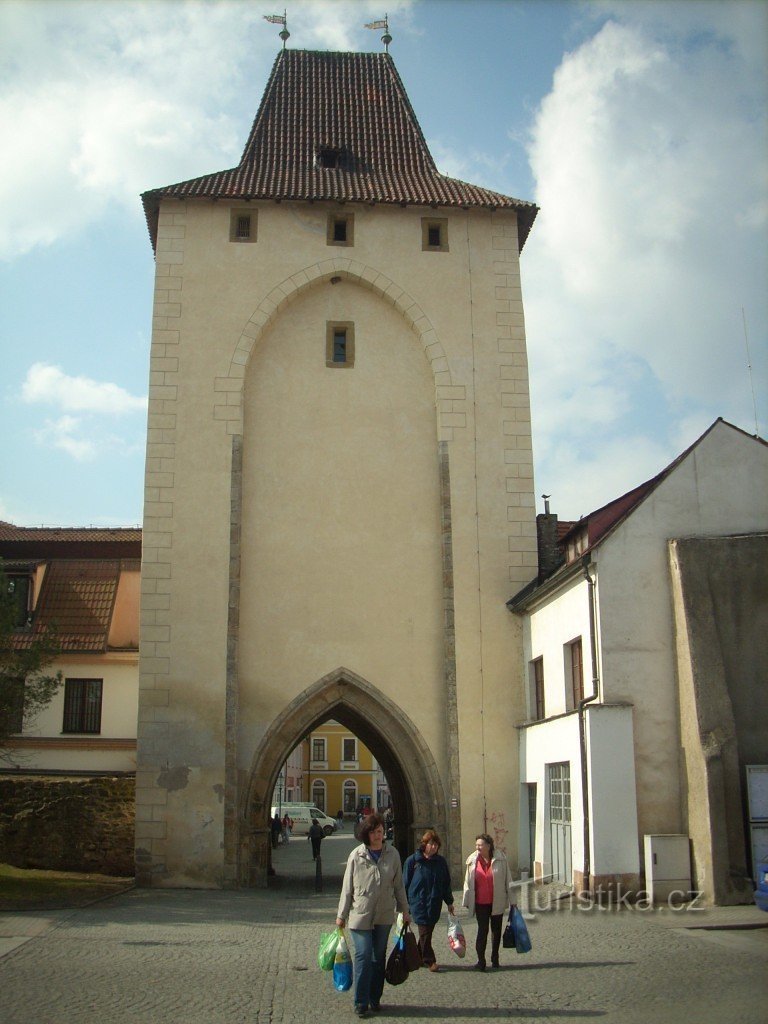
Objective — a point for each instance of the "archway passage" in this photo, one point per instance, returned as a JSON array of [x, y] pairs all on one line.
[[418, 794]]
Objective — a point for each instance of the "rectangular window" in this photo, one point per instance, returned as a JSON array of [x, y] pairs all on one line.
[[349, 749], [18, 590], [242, 225], [340, 344], [537, 672], [341, 229], [12, 706], [434, 234], [318, 749], [82, 705], [577, 671]]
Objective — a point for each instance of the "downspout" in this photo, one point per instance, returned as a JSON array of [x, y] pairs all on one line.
[[585, 562]]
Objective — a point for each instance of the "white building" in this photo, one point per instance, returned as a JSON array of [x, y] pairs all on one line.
[[645, 653]]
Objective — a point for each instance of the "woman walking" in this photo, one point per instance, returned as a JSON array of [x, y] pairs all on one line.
[[427, 881], [373, 884], [487, 886]]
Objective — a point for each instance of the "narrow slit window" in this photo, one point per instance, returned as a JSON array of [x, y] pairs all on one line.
[[242, 226], [434, 234], [340, 345], [340, 229]]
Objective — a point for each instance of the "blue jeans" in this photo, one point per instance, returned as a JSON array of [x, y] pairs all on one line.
[[370, 961]]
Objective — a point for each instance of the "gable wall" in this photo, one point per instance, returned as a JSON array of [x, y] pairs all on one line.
[[718, 489]]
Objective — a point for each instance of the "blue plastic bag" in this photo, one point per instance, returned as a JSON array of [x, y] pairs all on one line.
[[522, 938], [342, 967]]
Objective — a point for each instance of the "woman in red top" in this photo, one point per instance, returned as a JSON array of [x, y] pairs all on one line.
[[487, 885]]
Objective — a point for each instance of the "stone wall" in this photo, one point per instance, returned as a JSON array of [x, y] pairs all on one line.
[[68, 824]]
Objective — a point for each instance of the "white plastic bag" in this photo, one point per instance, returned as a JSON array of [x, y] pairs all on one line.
[[456, 939]]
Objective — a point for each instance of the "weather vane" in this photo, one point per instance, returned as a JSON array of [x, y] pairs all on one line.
[[382, 23], [280, 19]]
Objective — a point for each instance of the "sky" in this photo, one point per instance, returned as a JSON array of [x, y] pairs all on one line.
[[639, 128]]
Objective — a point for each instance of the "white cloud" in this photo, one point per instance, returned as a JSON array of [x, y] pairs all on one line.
[[100, 103], [650, 162], [66, 434], [49, 384], [87, 406]]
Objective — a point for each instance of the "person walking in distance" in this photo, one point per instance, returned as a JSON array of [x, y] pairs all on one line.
[[315, 836], [487, 888], [427, 881]]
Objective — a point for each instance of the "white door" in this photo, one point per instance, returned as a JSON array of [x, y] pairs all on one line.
[[559, 785]]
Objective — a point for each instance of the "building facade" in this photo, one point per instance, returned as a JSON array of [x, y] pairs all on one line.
[[84, 584], [343, 773], [339, 488], [645, 653]]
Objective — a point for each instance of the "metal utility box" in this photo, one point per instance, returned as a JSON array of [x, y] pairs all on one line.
[[667, 867]]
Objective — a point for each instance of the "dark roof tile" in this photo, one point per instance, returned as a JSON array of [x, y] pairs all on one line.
[[355, 104]]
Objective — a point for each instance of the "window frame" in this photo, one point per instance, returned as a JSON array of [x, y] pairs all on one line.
[[78, 718], [235, 213], [323, 745], [349, 786], [319, 786], [331, 328], [576, 670], [430, 223], [15, 688], [538, 703], [348, 219]]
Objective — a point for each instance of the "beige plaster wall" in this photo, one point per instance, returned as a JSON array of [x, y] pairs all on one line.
[[451, 367], [719, 488]]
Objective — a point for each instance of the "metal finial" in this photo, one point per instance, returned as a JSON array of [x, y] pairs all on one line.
[[382, 23], [280, 19]]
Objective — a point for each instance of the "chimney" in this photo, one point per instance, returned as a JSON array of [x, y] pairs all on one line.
[[549, 553]]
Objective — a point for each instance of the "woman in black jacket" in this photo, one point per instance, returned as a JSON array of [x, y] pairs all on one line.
[[427, 883]]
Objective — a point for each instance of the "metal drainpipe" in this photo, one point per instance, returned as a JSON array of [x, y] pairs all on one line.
[[585, 562]]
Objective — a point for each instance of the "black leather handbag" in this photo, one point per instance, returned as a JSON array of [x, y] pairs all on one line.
[[396, 971], [412, 953]]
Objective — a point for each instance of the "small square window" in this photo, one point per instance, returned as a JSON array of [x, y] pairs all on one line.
[[341, 229], [434, 234], [340, 344], [242, 225]]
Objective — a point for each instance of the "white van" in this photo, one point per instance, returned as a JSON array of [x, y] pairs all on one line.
[[302, 815]]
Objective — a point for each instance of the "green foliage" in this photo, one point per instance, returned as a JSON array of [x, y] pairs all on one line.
[[23, 663]]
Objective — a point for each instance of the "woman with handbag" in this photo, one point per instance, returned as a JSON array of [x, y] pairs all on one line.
[[487, 888], [372, 886], [427, 881]]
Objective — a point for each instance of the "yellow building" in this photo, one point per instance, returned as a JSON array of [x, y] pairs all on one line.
[[343, 773]]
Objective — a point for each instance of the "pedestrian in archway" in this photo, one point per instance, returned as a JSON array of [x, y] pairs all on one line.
[[315, 836], [372, 888], [276, 827], [487, 894], [287, 826], [427, 881]]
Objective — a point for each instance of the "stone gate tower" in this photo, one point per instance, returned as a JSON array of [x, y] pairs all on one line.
[[339, 492]]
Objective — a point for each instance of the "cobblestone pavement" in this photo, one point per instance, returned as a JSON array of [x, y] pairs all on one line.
[[203, 957]]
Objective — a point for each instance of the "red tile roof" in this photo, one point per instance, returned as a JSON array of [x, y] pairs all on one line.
[[42, 542], [351, 102], [76, 600]]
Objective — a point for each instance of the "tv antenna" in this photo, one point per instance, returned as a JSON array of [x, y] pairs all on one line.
[[749, 369]]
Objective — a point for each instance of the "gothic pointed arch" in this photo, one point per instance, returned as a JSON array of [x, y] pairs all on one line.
[[396, 743], [228, 399]]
